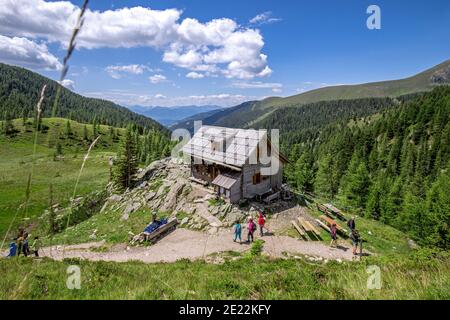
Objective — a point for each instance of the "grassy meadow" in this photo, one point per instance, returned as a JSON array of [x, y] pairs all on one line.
[[16, 158], [421, 275]]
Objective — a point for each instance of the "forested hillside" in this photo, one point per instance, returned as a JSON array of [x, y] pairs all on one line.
[[19, 93], [249, 114], [393, 166]]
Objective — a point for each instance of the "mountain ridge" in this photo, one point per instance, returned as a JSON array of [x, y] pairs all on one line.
[[250, 113]]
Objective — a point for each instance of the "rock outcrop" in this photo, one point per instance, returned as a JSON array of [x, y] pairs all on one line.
[[164, 187]]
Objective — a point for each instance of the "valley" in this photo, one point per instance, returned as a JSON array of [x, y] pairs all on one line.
[[382, 159]]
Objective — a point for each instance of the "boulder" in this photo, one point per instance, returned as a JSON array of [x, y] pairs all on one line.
[[147, 173], [115, 198], [171, 198]]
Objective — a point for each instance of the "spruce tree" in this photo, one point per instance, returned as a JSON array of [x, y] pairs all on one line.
[[126, 165], [304, 172]]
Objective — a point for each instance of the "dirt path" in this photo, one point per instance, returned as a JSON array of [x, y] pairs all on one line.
[[187, 244]]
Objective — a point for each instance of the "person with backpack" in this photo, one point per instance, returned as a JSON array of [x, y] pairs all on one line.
[[333, 234], [261, 223], [251, 227], [355, 237], [25, 245], [237, 232], [20, 240]]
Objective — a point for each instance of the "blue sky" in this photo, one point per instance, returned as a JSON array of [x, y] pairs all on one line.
[[254, 50]]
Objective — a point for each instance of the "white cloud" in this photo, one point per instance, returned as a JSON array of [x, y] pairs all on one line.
[[127, 98], [263, 18], [157, 78], [195, 75], [275, 87], [217, 47], [23, 52], [69, 84], [117, 72]]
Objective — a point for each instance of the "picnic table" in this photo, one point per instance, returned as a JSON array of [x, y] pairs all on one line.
[[329, 222], [330, 210]]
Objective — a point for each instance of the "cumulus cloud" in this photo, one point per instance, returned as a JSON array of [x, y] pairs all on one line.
[[195, 75], [157, 78], [117, 72], [69, 84], [26, 53], [217, 47], [263, 18], [160, 96]]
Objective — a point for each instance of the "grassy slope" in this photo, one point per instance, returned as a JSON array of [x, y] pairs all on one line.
[[420, 276], [15, 165]]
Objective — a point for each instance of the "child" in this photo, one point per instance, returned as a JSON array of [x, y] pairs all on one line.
[[251, 227], [333, 234], [36, 246], [237, 232], [12, 249]]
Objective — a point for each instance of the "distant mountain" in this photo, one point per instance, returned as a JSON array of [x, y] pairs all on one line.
[[188, 123], [170, 115], [19, 93], [249, 114]]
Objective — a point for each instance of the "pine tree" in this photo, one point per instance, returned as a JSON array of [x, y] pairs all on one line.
[[85, 133], [304, 172], [356, 183], [68, 129], [438, 211], [324, 176], [126, 165]]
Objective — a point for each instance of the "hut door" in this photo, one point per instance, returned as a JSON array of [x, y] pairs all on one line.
[[214, 172]]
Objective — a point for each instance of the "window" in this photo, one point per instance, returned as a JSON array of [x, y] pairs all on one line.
[[257, 178]]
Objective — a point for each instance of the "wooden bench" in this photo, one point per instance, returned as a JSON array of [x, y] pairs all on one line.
[[308, 226], [299, 230]]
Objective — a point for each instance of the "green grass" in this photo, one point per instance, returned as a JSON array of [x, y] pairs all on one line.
[[109, 227], [422, 275], [16, 156]]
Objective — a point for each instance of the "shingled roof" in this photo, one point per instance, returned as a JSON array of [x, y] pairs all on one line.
[[227, 146]]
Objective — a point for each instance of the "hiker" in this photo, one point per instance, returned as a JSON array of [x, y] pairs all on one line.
[[237, 232], [36, 246], [333, 234], [12, 249], [25, 245], [261, 222], [355, 237], [251, 227], [351, 224], [20, 240]]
